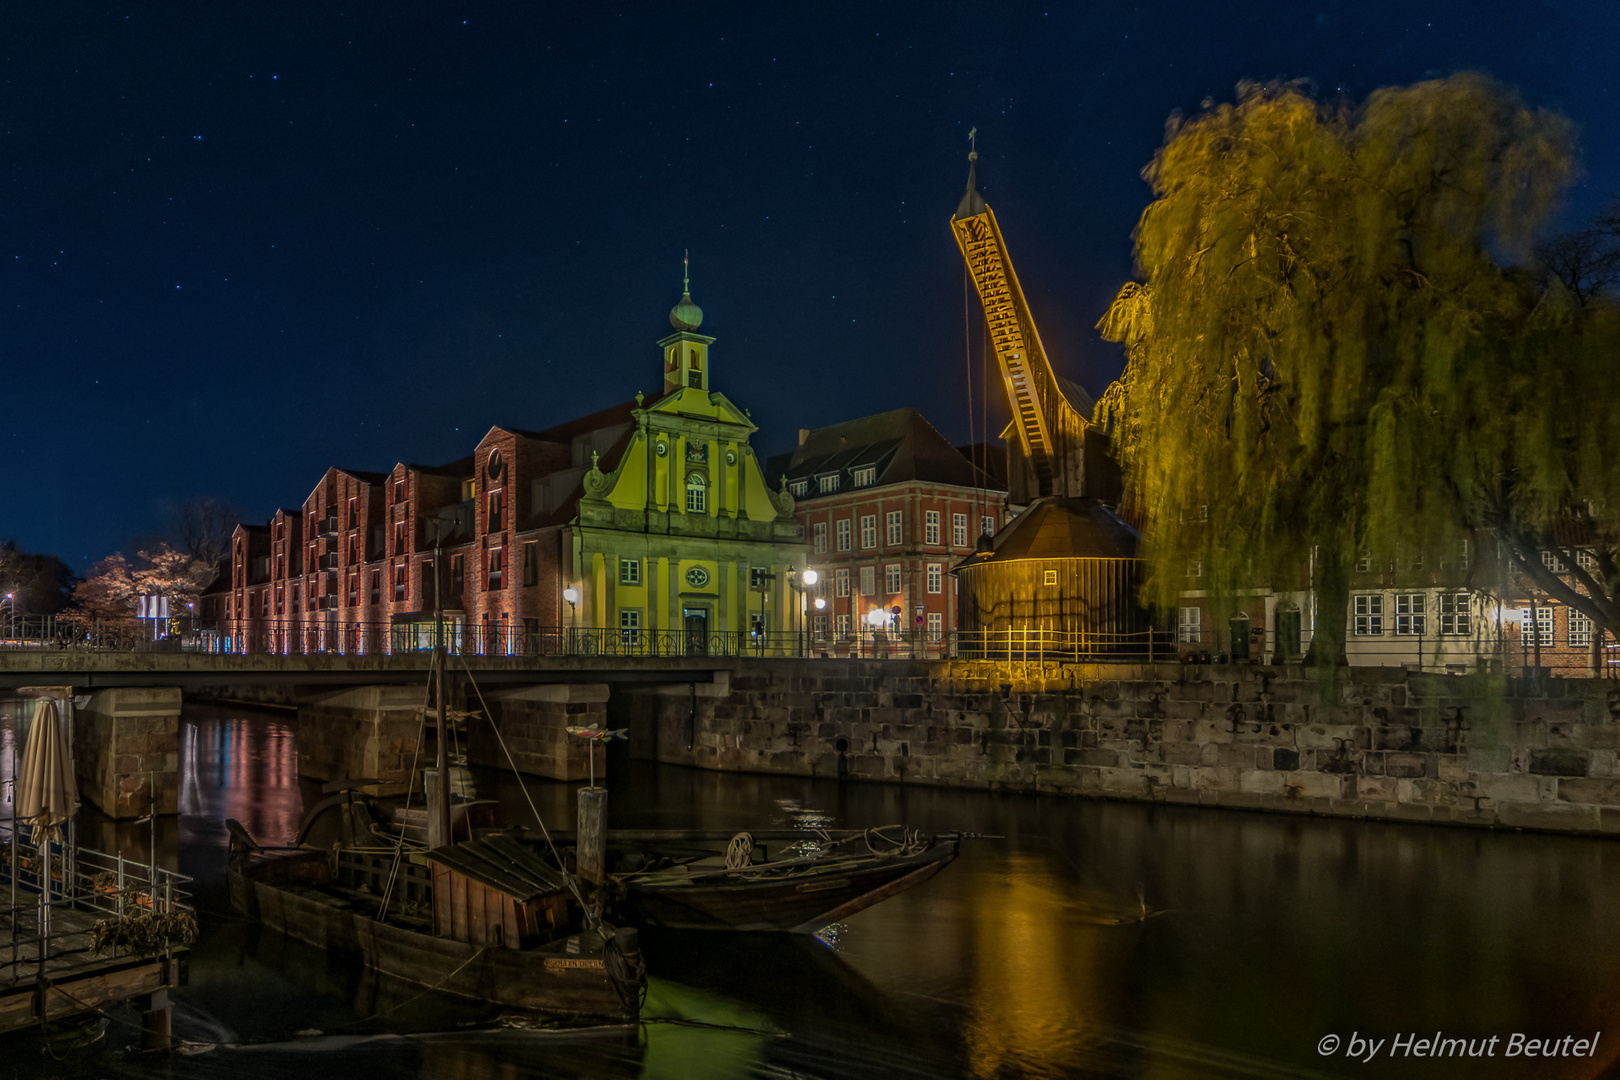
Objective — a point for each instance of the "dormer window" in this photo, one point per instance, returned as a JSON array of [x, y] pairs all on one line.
[[829, 483], [865, 476], [799, 488]]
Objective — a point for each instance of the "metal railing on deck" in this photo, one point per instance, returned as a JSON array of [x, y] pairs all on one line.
[[38, 884]]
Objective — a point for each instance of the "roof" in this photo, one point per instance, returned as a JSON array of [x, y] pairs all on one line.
[[1053, 528], [972, 204], [458, 468], [608, 417], [900, 444], [1082, 401], [366, 475], [503, 864]]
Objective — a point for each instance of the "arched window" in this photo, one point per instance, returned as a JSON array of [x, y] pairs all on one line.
[[697, 494]]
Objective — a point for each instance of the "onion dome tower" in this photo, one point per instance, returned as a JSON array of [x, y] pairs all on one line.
[[686, 352]]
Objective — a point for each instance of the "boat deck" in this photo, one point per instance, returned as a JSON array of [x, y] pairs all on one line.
[[70, 979]]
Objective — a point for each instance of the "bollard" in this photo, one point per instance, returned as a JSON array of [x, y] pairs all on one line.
[[590, 852], [155, 1015]]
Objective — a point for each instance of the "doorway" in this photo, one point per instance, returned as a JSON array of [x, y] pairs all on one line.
[[697, 631]]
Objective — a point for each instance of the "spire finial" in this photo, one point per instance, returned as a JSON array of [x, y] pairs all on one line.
[[972, 203], [686, 315]]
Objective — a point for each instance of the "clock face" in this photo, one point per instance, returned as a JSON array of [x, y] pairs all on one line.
[[697, 576]]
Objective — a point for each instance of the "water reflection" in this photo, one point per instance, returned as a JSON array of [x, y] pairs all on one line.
[[1028, 957]]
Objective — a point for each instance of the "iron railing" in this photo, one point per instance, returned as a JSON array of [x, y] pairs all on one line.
[[40, 881]]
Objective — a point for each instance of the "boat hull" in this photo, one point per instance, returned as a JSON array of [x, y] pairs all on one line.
[[802, 904], [543, 980]]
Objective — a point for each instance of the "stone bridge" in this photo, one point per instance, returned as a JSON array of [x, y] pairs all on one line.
[[357, 716]]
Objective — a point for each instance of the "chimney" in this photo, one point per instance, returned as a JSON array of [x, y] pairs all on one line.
[[804, 433]]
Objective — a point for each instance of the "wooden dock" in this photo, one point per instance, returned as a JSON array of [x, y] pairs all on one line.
[[73, 979]]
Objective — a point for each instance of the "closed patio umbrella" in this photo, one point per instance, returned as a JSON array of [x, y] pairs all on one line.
[[47, 794]]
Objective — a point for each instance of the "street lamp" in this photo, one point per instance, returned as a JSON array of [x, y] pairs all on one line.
[[803, 581], [876, 619], [11, 614], [571, 595]]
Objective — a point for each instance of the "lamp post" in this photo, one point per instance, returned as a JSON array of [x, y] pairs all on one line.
[[820, 606], [11, 614], [571, 595], [802, 581], [876, 618]]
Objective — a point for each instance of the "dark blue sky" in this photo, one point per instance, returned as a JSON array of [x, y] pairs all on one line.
[[241, 246]]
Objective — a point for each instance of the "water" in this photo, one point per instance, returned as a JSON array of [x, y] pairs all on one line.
[[1027, 957]]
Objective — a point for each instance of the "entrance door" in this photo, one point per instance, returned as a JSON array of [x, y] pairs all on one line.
[[697, 631]]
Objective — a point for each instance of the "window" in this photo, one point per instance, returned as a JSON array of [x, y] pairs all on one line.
[[629, 571], [1195, 568], [497, 567], [891, 578], [1050, 578], [1580, 629], [531, 563], [868, 530], [843, 627], [894, 528], [868, 580], [841, 583], [936, 577], [354, 592], [987, 525], [819, 532], [296, 606], [843, 534], [401, 579], [799, 488], [531, 631], [1409, 614], [931, 527], [1369, 614], [827, 484], [1454, 614], [1364, 564], [629, 628], [959, 530], [1461, 558], [758, 577], [756, 625], [1551, 561], [1189, 625], [399, 491], [399, 538], [864, 477], [376, 587], [818, 627], [264, 605], [354, 550], [1586, 560], [354, 514], [458, 572], [497, 508], [281, 598], [1541, 618], [697, 494], [936, 626]]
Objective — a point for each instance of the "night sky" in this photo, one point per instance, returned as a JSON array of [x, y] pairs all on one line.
[[241, 246]]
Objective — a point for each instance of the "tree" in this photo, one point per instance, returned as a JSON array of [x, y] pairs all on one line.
[[40, 584], [202, 528], [111, 591], [1340, 346]]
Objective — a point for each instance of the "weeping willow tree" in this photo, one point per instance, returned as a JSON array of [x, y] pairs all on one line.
[[1339, 346]]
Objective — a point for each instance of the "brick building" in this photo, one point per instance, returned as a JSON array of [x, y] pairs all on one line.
[[655, 510], [888, 506]]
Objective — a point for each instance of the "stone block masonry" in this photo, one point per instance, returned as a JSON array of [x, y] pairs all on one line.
[[126, 746], [367, 732], [533, 723], [1367, 743]]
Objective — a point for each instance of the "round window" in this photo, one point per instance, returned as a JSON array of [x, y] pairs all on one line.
[[697, 577], [492, 468]]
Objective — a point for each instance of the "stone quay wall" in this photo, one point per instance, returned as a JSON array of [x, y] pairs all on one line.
[[126, 750], [1366, 742]]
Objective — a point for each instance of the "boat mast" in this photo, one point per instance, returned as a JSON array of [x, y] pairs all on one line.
[[442, 757]]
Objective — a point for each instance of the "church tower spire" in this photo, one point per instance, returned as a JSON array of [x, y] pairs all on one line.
[[686, 352]]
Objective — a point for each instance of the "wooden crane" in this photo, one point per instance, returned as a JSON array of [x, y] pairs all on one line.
[[1050, 413]]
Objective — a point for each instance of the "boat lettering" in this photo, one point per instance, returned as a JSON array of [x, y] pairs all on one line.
[[562, 964]]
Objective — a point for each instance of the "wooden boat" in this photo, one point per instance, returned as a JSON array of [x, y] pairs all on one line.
[[486, 919], [694, 880]]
